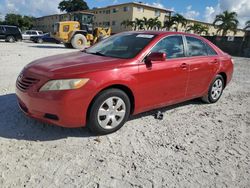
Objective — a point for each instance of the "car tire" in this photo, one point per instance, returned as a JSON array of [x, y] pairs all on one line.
[[11, 39], [79, 41], [109, 111], [40, 41], [215, 90], [68, 45]]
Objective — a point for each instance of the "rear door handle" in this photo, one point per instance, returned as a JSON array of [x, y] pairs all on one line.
[[215, 61], [184, 65]]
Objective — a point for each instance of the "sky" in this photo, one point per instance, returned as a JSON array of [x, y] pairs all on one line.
[[203, 10]]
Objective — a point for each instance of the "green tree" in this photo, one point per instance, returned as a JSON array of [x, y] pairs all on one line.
[[146, 23], [72, 5], [138, 23], [127, 23], [154, 23], [23, 22], [247, 25], [227, 21], [178, 20], [198, 28], [169, 23], [27, 22], [14, 19]]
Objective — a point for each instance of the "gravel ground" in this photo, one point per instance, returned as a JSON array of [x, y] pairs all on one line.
[[195, 145]]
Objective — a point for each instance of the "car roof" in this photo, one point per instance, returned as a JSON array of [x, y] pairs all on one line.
[[164, 33], [8, 26]]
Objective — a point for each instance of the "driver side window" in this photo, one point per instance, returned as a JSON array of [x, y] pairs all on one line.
[[172, 46]]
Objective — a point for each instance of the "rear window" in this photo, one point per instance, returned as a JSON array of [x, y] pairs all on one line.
[[196, 47], [210, 50]]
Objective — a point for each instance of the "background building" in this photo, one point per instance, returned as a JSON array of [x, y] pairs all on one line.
[[112, 16], [46, 23]]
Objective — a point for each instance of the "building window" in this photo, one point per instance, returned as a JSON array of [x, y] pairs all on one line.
[[115, 10], [100, 23], [125, 9], [107, 11], [106, 24], [140, 9], [103, 11], [113, 23], [157, 13], [100, 12]]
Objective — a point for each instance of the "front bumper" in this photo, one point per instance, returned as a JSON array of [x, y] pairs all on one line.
[[63, 108]]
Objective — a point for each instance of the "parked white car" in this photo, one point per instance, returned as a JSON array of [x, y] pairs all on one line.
[[27, 34]]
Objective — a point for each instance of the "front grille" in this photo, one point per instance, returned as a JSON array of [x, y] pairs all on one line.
[[24, 83]]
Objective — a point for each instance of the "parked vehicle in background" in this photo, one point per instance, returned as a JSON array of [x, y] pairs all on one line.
[[44, 38], [127, 73], [10, 33], [27, 34]]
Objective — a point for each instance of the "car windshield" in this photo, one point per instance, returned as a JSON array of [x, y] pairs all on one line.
[[125, 45]]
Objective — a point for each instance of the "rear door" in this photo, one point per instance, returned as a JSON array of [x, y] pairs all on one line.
[[203, 64], [165, 81]]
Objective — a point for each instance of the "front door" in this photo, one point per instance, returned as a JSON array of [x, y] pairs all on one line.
[[163, 82]]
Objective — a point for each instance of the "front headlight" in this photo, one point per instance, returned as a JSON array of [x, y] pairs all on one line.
[[66, 84]]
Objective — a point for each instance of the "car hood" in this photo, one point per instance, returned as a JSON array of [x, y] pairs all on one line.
[[71, 63]]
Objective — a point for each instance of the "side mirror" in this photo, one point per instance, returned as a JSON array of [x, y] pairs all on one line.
[[155, 56]]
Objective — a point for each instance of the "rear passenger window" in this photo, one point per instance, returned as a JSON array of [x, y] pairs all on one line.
[[34, 33], [172, 46], [196, 47], [210, 51]]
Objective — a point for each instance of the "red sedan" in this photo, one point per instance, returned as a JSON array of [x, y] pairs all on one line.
[[128, 73]]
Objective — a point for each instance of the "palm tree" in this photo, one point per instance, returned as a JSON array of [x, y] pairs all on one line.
[[247, 25], [146, 23], [169, 23], [178, 19], [197, 28], [138, 23], [127, 23], [227, 21]]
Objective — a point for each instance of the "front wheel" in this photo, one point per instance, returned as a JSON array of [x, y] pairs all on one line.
[[109, 111], [215, 90], [79, 41]]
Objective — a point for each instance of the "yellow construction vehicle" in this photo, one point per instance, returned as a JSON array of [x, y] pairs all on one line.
[[79, 34]]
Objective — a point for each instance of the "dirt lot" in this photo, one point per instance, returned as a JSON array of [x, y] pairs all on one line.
[[195, 145]]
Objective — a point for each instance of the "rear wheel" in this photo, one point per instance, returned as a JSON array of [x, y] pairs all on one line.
[[215, 90], [10, 39], [79, 41], [109, 111]]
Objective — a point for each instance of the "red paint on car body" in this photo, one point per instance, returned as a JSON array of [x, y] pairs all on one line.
[[163, 83]]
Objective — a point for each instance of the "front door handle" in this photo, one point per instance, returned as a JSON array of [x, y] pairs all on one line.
[[184, 66]]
